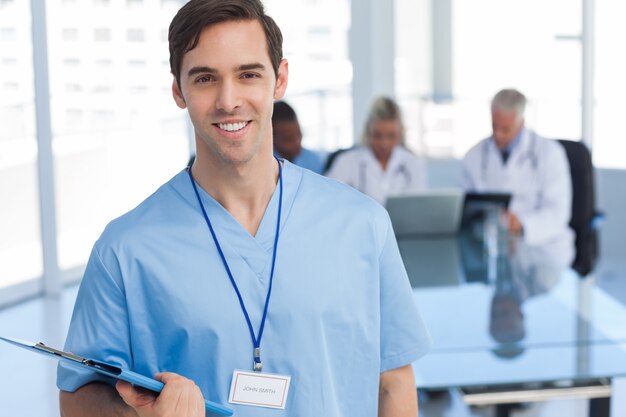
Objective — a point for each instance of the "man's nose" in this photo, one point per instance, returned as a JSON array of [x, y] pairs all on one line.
[[228, 98]]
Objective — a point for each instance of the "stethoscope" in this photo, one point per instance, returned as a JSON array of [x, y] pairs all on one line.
[[399, 170], [529, 155]]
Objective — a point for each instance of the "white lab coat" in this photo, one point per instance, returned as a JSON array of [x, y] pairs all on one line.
[[359, 168], [538, 177]]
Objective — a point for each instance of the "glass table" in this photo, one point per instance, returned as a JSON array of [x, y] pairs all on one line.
[[510, 325]]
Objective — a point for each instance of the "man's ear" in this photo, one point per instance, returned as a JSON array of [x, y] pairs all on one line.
[[178, 95], [281, 79]]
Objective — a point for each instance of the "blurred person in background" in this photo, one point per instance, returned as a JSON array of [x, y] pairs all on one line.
[[288, 139], [382, 166], [534, 170]]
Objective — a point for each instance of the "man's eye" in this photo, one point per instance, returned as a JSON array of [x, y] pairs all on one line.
[[248, 75], [204, 79]]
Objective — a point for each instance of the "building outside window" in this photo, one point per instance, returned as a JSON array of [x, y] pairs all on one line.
[[20, 236]]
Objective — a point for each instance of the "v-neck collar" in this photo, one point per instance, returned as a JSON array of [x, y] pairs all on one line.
[[235, 240]]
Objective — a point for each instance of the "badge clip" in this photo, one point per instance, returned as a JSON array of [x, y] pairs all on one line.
[[257, 365]]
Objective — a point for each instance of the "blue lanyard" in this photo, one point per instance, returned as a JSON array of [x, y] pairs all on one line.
[[257, 365]]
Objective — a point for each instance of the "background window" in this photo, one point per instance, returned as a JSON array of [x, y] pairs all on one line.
[[474, 49], [135, 35], [609, 145], [118, 134], [8, 33], [320, 73], [69, 34], [20, 234], [102, 34]]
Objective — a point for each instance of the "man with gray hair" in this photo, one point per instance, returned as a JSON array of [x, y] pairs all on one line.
[[534, 170]]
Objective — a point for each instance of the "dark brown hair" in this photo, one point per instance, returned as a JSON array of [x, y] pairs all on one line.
[[197, 15], [283, 112]]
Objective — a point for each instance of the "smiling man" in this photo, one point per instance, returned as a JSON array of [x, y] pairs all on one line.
[[244, 269]]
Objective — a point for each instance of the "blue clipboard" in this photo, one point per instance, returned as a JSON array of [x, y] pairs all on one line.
[[107, 369]]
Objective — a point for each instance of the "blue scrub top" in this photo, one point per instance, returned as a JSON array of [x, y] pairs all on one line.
[[155, 296], [309, 160]]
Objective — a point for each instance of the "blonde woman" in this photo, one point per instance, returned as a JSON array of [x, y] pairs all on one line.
[[382, 166]]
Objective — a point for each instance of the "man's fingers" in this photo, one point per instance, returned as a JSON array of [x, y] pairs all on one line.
[[124, 389], [134, 397], [166, 377], [180, 396], [181, 391]]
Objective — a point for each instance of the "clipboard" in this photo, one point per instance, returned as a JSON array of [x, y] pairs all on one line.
[[107, 369]]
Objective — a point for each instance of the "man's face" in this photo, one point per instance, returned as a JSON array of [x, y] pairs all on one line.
[[228, 86], [383, 136], [287, 139], [506, 125]]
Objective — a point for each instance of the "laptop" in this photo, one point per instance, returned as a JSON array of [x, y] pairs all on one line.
[[476, 205], [436, 212]]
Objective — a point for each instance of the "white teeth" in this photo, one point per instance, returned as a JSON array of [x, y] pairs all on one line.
[[232, 127]]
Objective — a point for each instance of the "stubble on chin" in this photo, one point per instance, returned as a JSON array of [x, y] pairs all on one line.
[[235, 154]]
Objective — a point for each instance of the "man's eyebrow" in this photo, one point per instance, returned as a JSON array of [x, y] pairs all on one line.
[[198, 70], [252, 66], [245, 67]]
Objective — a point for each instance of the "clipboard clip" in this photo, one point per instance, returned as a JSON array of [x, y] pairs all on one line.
[[88, 362], [66, 355]]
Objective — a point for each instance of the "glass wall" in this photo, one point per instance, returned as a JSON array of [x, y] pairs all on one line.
[[20, 237], [609, 146], [494, 44], [315, 36], [117, 133], [413, 65]]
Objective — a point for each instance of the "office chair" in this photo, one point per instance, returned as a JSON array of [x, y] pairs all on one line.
[[585, 219], [332, 156]]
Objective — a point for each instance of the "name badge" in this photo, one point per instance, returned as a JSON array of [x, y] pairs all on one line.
[[259, 389]]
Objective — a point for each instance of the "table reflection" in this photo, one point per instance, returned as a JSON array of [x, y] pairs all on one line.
[[523, 273], [515, 312]]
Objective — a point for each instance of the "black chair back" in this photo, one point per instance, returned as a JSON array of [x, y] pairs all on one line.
[[331, 158], [583, 205]]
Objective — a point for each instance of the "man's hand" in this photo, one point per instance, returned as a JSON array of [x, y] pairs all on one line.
[[180, 397], [515, 227]]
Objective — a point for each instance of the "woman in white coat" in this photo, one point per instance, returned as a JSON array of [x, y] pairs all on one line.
[[382, 166], [534, 170]]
